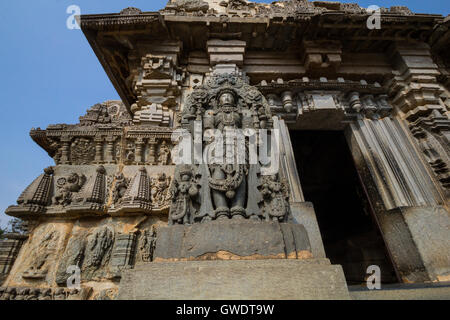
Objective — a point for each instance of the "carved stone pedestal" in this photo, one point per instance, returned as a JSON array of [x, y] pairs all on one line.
[[276, 279], [232, 240]]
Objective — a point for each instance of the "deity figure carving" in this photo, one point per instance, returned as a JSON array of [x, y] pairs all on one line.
[[99, 247], [120, 188], [228, 180], [227, 106], [183, 191], [67, 187]]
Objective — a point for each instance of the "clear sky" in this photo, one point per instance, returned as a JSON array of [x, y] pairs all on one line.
[[50, 75]]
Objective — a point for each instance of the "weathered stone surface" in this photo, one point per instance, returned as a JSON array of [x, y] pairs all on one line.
[[235, 280], [303, 213], [289, 65], [230, 240]]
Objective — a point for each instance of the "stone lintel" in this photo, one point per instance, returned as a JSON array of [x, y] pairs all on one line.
[[226, 51]]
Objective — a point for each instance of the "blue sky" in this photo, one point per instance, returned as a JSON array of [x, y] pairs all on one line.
[[50, 75]]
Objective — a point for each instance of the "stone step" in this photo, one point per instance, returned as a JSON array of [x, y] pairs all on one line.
[[277, 279], [403, 292]]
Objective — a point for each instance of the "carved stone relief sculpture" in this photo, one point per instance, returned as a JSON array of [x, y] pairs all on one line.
[[67, 187], [42, 256], [91, 252], [222, 190]]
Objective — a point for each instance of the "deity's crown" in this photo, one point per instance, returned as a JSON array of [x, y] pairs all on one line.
[[227, 90]]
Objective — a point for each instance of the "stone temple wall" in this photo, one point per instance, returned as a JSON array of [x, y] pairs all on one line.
[[116, 205]]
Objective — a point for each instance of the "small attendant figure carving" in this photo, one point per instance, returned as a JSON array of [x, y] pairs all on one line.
[[160, 190], [275, 194], [147, 244], [183, 191], [120, 188], [164, 153]]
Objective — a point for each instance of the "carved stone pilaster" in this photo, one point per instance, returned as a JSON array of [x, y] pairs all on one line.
[[110, 141], [98, 149], [139, 156], [122, 256], [417, 94], [151, 159], [65, 150]]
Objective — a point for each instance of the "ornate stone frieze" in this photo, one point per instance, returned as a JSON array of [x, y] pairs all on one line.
[[32, 293], [106, 135], [369, 106], [287, 9], [160, 192], [96, 190]]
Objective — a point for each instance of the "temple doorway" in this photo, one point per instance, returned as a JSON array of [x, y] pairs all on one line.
[[330, 181]]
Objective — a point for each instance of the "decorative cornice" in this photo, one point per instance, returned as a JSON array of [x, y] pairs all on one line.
[[100, 21]]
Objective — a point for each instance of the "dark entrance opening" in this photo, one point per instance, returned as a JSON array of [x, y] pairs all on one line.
[[330, 181]]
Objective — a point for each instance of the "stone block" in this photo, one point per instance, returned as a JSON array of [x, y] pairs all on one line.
[[235, 280], [230, 240]]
